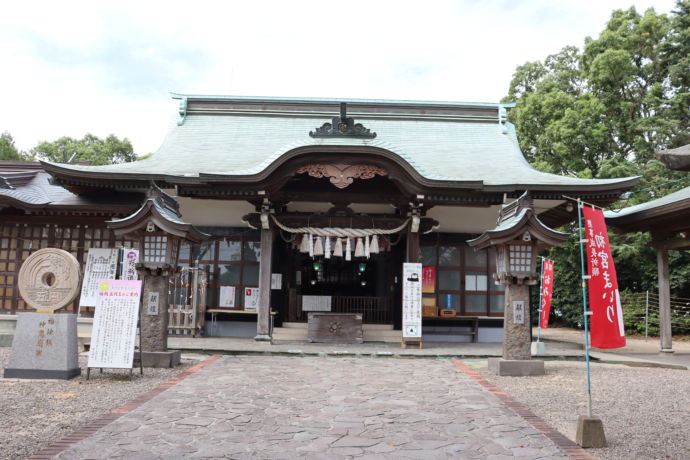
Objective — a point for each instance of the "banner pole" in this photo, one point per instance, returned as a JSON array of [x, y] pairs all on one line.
[[584, 306], [541, 305]]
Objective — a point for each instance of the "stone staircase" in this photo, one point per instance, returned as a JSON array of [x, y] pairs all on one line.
[[297, 332]]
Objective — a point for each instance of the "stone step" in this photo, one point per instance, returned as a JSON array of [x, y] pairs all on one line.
[[369, 327], [280, 333], [300, 334]]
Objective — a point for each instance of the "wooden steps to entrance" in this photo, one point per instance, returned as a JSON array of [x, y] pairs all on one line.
[[372, 332]]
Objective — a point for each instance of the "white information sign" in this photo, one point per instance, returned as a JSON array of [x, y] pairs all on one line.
[[316, 303], [227, 297], [518, 312], [114, 328], [251, 298], [101, 264], [152, 304], [130, 257], [412, 300], [276, 280]]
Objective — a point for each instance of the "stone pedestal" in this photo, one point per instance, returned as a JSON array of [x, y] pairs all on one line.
[[517, 353], [165, 359], [516, 330], [44, 347], [516, 367], [154, 319], [590, 432]]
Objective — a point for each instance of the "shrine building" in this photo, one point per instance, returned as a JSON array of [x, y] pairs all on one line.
[[309, 205]]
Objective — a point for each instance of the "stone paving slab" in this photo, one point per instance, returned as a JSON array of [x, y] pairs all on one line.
[[277, 407]]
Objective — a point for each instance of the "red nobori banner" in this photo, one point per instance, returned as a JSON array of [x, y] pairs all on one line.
[[546, 292], [607, 328]]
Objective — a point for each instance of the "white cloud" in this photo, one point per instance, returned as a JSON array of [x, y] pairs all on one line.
[[85, 67]]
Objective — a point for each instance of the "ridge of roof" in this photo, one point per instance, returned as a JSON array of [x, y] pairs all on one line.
[[336, 100]]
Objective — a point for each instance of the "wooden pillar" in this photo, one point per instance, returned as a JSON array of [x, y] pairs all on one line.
[[263, 320], [412, 251], [664, 299]]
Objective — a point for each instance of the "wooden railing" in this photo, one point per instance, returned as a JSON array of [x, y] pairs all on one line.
[[374, 310]]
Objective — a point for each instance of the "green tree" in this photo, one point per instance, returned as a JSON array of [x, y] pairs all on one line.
[[91, 148], [7, 149], [602, 112]]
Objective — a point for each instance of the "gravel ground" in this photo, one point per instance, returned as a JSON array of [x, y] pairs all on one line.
[[36, 412], [645, 411]]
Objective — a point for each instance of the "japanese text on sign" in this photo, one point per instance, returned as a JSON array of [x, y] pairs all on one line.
[[101, 264], [604, 299], [115, 324], [412, 300]]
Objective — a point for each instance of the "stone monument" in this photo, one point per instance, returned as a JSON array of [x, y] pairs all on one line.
[[518, 236], [160, 229], [45, 343]]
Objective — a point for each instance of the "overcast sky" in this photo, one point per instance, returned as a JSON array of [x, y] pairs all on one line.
[[69, 68]]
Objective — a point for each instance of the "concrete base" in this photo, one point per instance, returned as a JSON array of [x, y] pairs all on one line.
[[538, 349], [515, 367], [6, 340], [44, 346], [163, 359], [666, 350], [262, 338], [41, 374], [590, 432]]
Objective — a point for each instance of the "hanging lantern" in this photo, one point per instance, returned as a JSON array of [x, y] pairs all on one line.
[[366, 247], [327, 248], [311, 245], [348, 249], [374, 246], [304, 245], [318, 246], [338, 248], [359, 248]]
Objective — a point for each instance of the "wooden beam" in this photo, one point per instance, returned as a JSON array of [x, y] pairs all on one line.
[[413, 252], [263, 326], [664, 300], [676, 243]]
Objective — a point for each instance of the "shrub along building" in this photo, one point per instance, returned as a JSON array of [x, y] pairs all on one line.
[[315, 202]]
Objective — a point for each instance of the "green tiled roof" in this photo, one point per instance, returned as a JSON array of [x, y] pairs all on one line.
[[654, 205], [440, 148]]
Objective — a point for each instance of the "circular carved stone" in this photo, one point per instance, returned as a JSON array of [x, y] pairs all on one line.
[[49, 279]]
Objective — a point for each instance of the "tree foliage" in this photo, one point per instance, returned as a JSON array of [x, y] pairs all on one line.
[[7, 149], [91, 148], [601, 112]]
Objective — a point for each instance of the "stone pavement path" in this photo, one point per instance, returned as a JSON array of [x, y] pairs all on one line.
[[278, 407]]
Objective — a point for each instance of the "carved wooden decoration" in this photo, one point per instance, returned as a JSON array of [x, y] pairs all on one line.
[[343, 126], [342, 175]]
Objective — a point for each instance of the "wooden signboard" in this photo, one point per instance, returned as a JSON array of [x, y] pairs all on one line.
[[335, 328]]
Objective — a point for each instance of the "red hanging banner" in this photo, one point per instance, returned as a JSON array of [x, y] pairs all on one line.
[[546, 292], [607, 328]]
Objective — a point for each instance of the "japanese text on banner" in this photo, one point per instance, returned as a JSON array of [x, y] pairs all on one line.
[[607, 330], [546, 292]]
